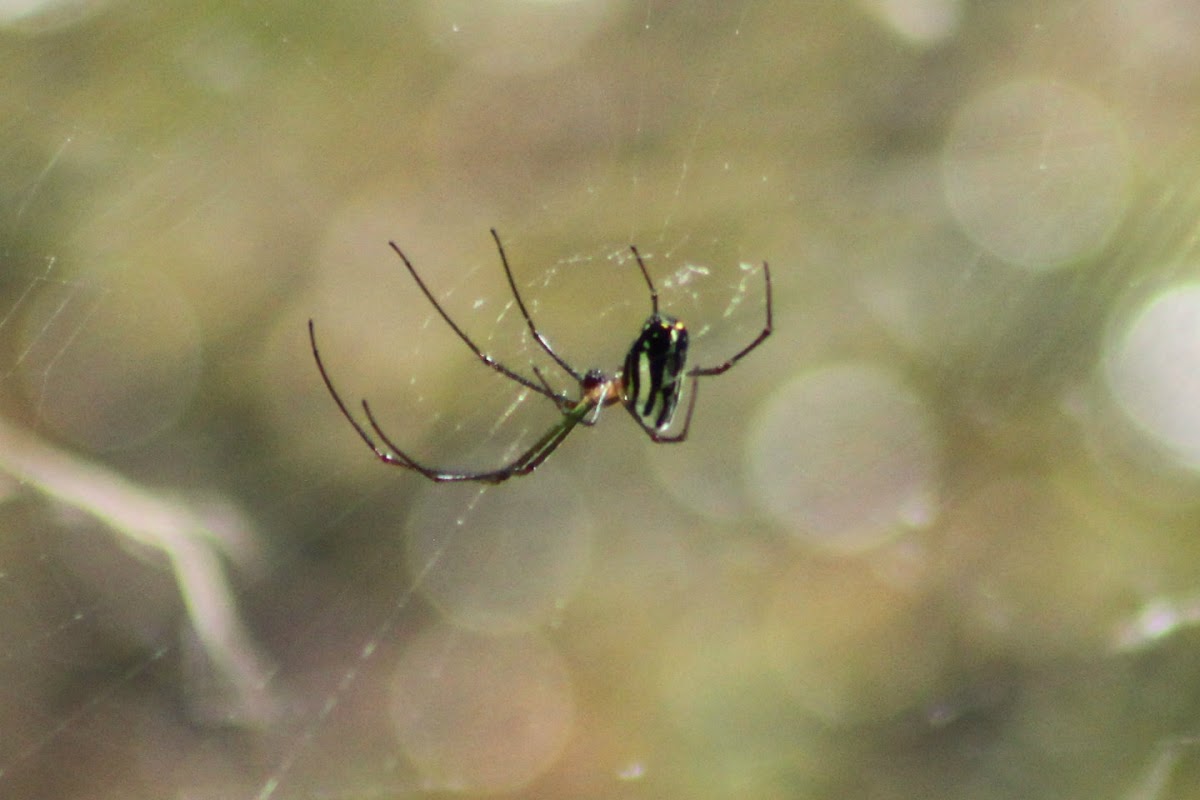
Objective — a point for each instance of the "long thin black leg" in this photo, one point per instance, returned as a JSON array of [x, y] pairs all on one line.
[[537, 335], [766, 331], [524, 464], [646, 275], [557, 397], [396, 459]]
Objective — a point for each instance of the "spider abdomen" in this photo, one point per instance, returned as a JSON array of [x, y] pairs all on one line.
[[654, 370]]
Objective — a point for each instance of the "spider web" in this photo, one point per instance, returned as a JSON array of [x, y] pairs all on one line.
[[212, 590]]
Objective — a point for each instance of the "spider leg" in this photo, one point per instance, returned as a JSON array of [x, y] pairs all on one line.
[[537, 335], [646, 275], [397, 458], [588, 420], [564, 403], [766, 331], [524, 464], [542, 389]]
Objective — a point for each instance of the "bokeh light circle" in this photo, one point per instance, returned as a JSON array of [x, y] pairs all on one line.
[[846, 456], [504, 560], [1037, 172], [481, 713], [1153, 372]]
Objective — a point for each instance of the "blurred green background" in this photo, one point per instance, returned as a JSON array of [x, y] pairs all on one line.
[[936, 538]]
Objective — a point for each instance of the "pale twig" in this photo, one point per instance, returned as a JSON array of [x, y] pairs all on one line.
[[195, 543]]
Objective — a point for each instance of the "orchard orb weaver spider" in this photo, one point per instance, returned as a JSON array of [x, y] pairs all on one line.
[[649, 385]]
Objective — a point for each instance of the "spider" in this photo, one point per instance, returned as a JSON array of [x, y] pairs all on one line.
[[649, 385]]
